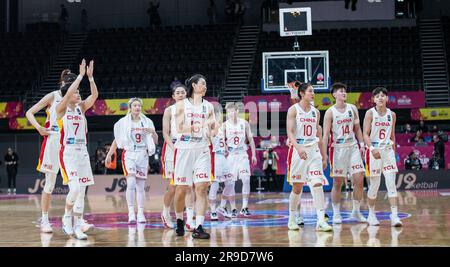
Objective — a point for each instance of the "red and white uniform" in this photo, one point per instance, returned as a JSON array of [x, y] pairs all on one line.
[[74, 156], [221, 169], [380, 138], [192, 156], [135, 160], [167, 152], [237, 148], [310, 170], [49, 156], [344, 150]]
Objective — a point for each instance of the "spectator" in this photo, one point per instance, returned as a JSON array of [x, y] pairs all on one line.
[[437, 162], [421, 142], [84, 20], [63, 18], [417, 137], [412, 162], [99, 158], [422, 127], [153, 13], [212, 12], [434, 129], [174, 82], [439, 146], [270, 167], [11, 162], [408, 128], [274, 141]]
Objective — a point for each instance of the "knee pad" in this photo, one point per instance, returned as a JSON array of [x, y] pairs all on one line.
[[50, 181], [213, 190], [228, 191], [131, 183], [373, 187], [74, 191], [245, 185], [390, 184]]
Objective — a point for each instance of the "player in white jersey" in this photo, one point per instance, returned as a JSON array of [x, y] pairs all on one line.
[[379, 136], [48, 162], [167, 158], [136, 135], [306, 157], [221, 168], [194, 119], [237, 134], [341, 122], [74, 158]]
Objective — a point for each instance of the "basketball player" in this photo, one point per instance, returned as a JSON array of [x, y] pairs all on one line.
[[221, 170], [74, 158], [192, 156], [48, 162], [237, 133], [170, 138], [306, 158], [379, 136], [342, 122], [136, 135]]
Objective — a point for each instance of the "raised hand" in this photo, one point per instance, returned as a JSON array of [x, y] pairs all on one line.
[[90, 69], [83, 67]]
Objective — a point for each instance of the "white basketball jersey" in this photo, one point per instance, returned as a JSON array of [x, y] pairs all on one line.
[[195, 116], [235, 135], [380, 133], [138, 135], [307, 122], [218, 141], [173, 123], [73, 127], [342, 133], [51, 122]]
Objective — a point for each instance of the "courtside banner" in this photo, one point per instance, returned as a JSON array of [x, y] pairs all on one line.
[[11, 109], [430, 114], [23, 123], [397, 100], [34, 184], [420, 180]]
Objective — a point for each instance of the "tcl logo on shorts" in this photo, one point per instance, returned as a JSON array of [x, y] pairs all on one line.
[[357, 167], [390, 167], [74, 118], [384, 123], [344, 121], [139, 173], [315, 173], [84, 180], [181, 179], [201, 175], [228, 175]]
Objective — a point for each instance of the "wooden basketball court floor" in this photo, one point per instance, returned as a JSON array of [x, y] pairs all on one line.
[[425, 214]]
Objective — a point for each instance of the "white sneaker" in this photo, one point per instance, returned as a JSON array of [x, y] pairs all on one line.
[[395, 221], [79, 233], [141, 218], [337, 219], [14, 192], [323, 227], [67, 225], [223, 211], [372, 219], [131, 217], [299, 220], [167, 221], [46, 227], [9, 191], [358, 216], [214, 216], [190, 225], [292, 224], [85, 226]]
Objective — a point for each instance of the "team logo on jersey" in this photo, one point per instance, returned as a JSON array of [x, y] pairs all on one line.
[[350, 113], [313, 113], [389, 117], [79, 111], [204, 109]]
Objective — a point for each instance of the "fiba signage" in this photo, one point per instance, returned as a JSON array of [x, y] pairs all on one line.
[[420, 180]]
